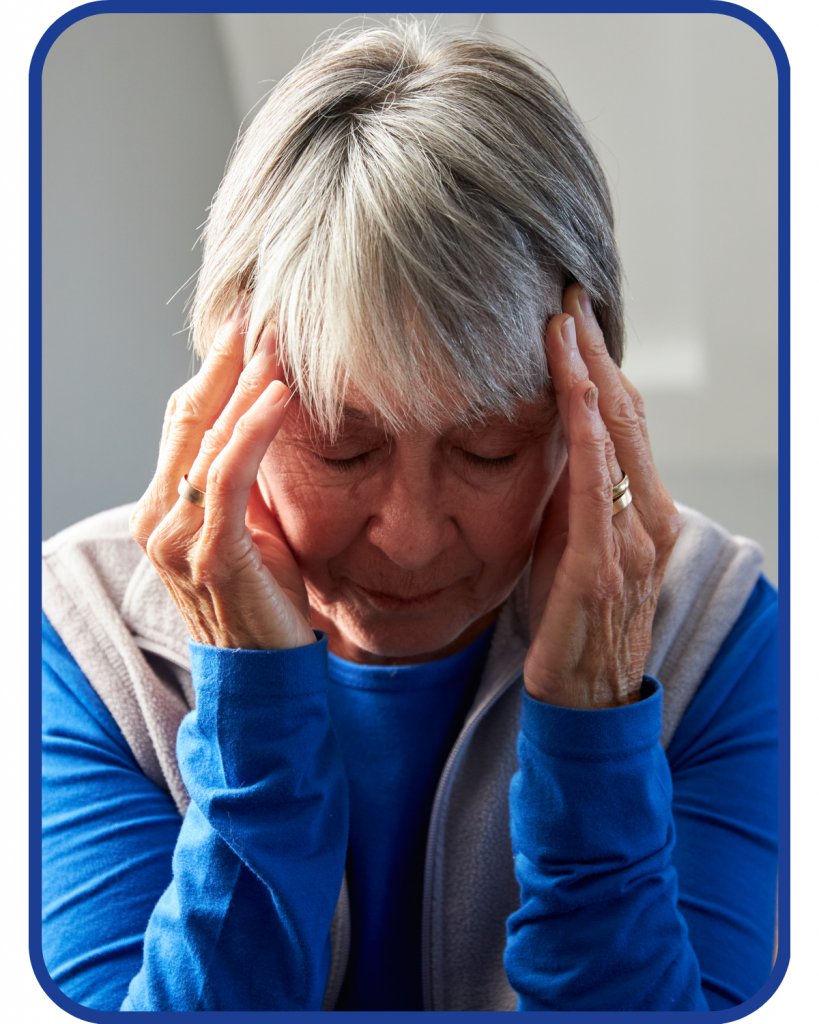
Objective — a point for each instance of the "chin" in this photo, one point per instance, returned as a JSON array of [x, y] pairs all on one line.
[[405, 637]]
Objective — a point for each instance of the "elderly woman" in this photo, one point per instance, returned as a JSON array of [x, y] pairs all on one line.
[[406, 685]]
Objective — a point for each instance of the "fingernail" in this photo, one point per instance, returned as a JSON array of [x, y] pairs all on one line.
[[268, 339], [279, 392], [239, 311], [568, 333], [585, 303], [591, 398]]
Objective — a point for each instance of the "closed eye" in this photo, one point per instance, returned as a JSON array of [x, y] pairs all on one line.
[[488, 464], [345, 464]]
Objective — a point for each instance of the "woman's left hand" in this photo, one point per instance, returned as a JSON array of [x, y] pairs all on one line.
[[595, 577]]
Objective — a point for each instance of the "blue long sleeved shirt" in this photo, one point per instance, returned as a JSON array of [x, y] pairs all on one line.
[[230, 909], [396, 727]]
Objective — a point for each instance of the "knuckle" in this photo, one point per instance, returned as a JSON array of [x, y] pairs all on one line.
[[254, 375], [588, 447], [157, 548], [220, 479], [623, 414], [597, 342], [245, 427], [187, 408], [596, 499], [207, 569], [223, 340], [625, 408], [609, 582], [170, 408], [670, 528], [644, 556], [639, 405], [166, 552], [600, 494], [212, 442], [141, 525]]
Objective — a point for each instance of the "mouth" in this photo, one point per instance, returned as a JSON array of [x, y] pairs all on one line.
[[394, 602]]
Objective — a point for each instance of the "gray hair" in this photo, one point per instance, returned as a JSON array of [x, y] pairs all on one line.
[[407, 207]]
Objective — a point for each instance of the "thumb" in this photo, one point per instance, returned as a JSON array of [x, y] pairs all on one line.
[[260, 518]]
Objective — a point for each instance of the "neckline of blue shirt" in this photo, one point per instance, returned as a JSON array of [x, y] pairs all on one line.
[[398, 678]]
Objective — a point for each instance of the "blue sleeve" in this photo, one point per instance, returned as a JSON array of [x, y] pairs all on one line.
[[229, 909], [108, 838], [648, 881]]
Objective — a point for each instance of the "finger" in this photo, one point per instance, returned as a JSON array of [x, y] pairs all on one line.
[[190, 412], [230, 479], [568, 368], [195, 406], [260, 517], [615, 402], [638, 403], [621, 407], [233, 472], [564, 362], [662, 518], [263, 368], [590, 521]]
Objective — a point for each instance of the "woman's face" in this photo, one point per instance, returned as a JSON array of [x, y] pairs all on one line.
[[409, 542]]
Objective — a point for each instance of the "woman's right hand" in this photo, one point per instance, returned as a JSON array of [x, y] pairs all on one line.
[[227, 565]]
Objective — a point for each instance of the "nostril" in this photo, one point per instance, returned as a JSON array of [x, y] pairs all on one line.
[[411, 541]]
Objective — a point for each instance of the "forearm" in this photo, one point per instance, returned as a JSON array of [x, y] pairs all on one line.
[[723, 760], [260, 857], [593, 832]]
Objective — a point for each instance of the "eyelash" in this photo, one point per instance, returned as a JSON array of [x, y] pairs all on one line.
[[487, 464], [345, 464], [478, 461]]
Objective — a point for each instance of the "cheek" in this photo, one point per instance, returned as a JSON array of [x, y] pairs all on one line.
[[502, 528], [318, 519]]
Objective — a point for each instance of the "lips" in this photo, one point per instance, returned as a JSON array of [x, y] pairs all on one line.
[[396, 602]]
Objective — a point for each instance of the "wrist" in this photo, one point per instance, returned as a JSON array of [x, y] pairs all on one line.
[[586, 695], [573, 733], [256, 676]]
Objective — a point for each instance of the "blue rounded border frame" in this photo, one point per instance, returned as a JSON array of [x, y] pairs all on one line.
[[35, 497]]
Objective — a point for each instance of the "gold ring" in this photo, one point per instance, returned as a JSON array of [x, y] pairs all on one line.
[[620, 489], [190, 493], [622, 502]]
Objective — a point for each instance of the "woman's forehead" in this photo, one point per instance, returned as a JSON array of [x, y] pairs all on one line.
[[358, 413]]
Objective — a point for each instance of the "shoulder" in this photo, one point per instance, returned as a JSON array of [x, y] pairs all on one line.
[[102, 544], [117, 621], [97, 581], [735, 709], [710, 577]]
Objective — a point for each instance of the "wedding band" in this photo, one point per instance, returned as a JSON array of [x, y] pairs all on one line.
[[622, 502], [620, 489], [190, 493]]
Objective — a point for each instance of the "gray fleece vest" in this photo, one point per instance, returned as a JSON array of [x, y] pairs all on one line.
[[120, 624]]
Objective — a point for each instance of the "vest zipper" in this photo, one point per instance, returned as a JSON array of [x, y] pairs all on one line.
[[434, 829], [339, 948]]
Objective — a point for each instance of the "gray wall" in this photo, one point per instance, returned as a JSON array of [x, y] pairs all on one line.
[[140, 112], [137, 125]]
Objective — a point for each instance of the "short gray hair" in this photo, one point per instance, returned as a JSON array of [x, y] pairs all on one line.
[[408, 206]]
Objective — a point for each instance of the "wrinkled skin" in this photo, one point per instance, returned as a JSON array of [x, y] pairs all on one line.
[[404, 546]]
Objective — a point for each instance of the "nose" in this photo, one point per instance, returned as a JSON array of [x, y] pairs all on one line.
[[411, 524]]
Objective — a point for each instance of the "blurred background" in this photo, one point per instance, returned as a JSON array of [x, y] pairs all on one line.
[[140, 112]]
